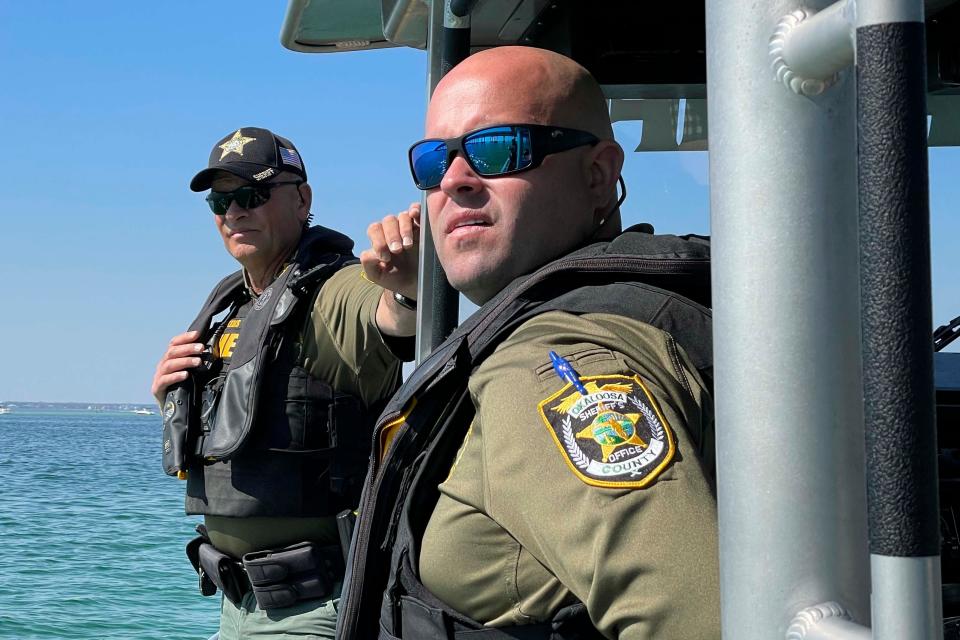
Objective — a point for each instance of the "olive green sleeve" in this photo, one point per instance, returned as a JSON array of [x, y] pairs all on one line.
[[342, 344], [643, 560]]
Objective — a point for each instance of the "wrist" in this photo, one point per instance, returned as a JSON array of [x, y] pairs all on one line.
[[404, 301]]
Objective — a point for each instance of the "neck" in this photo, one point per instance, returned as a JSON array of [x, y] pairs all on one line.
[[261, 275], [610, 229]]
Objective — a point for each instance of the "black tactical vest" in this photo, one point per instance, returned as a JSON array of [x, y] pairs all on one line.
[[660, 280], [263, 437]]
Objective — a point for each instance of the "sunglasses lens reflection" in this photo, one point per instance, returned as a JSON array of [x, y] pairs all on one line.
[[429, 160], [219, 202], [499, 150]]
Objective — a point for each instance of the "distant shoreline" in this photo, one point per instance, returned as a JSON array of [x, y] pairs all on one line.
[[93, 407]]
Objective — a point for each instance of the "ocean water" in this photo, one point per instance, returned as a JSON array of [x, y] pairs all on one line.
[[92, 532]]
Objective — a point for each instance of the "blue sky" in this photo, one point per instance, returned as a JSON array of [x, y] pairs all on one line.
[[109, 108]]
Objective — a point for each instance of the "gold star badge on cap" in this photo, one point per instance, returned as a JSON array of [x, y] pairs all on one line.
[[235, 144]]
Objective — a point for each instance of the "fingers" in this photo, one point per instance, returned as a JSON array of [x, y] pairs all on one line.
[[409, 223], [162, 383], [182, 354], [373, 267], [392, 259], [395, 233], [186, 336], [183, 351], [169, 366], [378, 241]]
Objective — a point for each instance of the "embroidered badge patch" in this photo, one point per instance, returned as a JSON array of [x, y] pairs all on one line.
[[610, 431]]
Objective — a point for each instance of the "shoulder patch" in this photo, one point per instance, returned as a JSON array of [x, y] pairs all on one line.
[[612, 436]]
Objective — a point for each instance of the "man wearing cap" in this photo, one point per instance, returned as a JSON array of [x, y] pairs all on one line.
[[545, 473], [268, 399]]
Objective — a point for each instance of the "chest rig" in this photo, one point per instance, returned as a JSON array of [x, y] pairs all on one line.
[[660, 280], [262, 437]]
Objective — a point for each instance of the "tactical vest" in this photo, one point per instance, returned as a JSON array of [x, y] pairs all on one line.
[[660, 280], [264, 437]]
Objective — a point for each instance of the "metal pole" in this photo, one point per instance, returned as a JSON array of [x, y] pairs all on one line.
[[897, 315], [790, 460], [448, 42], [456, 33]]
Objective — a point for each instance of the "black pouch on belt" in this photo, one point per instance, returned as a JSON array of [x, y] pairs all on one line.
[[206, 585], [216, 569], [300, 572], [225, 572]]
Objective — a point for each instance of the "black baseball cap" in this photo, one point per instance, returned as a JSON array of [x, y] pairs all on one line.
[[252, 153]]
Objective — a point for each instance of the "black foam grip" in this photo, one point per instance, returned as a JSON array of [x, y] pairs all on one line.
[[446, 301], [461, 8], [456, 48], [446, 305], [895, 290]]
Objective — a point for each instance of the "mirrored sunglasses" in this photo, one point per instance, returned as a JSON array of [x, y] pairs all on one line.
[[493, 151]]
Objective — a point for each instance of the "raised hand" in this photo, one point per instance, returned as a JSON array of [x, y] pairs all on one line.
[[394, 253], [182, 354]]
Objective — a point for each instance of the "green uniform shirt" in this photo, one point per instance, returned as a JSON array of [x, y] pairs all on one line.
[[342, 346], [517, 533]]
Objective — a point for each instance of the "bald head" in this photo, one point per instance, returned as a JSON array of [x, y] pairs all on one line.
[[550, 88], [489, 229]]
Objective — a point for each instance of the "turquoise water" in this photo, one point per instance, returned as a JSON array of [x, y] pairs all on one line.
[[92, 532]]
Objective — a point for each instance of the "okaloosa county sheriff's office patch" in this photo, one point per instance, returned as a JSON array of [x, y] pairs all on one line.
[[612, 436]]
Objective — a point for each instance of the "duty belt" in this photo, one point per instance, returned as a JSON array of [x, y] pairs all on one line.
[[278, 578]]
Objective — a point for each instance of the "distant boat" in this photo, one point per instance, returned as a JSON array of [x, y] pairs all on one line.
[[4, 409], [144, 412]]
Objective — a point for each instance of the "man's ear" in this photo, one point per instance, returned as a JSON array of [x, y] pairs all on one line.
[[604, 163], [306, 199]]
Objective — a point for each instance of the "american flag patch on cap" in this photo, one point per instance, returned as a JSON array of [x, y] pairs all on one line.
[[289, 156]]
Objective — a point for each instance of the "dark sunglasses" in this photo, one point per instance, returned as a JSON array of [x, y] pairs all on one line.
[[493, 151], [246, 197]]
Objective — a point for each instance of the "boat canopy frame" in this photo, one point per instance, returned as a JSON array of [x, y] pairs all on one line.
[[819, 116]]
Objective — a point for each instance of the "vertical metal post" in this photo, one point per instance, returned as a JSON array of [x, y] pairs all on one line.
[[897, 347], [448, 42], [790, 460]]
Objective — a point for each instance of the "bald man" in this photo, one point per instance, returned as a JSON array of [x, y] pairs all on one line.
[[545, 473]]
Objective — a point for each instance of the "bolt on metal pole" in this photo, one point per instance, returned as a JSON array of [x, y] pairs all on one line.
[[821, 44], [790, 459], [895, 287], [826, 621]]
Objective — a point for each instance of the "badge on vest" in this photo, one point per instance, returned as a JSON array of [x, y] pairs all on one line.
[[609, 428]]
